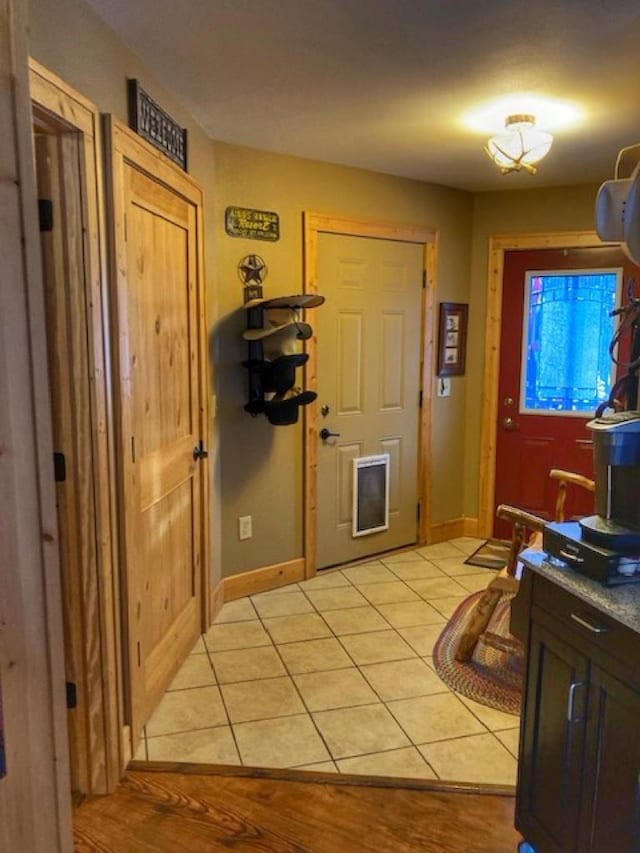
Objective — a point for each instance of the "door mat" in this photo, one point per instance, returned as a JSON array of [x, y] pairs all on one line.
[[492, 677], [492, 554]]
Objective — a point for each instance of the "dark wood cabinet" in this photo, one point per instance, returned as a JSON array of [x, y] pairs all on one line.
[[611, 791], [579, 772], [551, 760]]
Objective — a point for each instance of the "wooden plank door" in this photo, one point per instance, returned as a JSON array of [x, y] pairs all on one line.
[[160, 331], [543, 402], [369, 344]]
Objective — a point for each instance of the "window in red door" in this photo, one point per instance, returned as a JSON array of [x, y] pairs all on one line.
[[565, 364]]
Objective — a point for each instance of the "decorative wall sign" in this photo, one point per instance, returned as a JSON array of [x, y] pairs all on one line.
[[252, 224], [452, 338], [155, 125]]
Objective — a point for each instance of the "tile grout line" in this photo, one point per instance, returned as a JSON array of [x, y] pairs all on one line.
[[336, 637], [224, 705], [398, 723], [495, 734], [504, 746], [376, 608], [471, 711], [357, 667], [349, 584], [281, 716], [362, 675], [305, 706], [381, 701]]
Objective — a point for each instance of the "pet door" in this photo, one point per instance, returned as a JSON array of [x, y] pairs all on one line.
[[370, 494]]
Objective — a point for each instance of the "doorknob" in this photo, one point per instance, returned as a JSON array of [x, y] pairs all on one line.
[[326, 433], [510, 424]]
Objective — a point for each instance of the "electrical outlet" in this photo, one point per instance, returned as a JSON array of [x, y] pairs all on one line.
[[244, 527]]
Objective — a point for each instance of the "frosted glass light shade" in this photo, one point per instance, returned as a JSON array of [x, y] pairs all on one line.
[[520, 146]]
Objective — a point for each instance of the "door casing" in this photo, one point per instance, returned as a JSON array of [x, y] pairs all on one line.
[[90, 575], [498, 245], [315, 224], [34, 794], [95, 624]]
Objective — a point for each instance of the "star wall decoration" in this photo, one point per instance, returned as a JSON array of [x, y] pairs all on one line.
[[252, 270]]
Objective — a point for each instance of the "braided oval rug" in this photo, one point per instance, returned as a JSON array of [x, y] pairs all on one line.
[[492, 677]]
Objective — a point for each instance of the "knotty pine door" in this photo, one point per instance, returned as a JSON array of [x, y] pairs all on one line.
[[159, 334]]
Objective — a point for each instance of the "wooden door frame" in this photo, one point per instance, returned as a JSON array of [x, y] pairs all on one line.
[[35, 801], [314, 225], [498, 245], [123, 142], [92, 616]]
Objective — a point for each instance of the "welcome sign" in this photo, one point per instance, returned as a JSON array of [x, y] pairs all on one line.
[[252, 224], [154, 124]]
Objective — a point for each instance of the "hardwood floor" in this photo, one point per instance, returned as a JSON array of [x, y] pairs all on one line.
[[199, 813]]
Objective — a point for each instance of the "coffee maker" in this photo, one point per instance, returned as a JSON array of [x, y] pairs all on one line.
[[606, 546], [616, 447]]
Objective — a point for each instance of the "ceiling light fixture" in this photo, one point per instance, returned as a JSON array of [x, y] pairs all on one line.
[[520, 146]]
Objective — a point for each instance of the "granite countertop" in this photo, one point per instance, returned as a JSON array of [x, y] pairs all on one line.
[[621, 603]]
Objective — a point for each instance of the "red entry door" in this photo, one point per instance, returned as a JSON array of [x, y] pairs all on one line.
[[535, 431]]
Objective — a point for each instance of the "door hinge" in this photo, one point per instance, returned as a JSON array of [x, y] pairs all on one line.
[[45, 214], [59, 467], [199, 451], [125, 228], [133, 448], [424, 279], [418, 511], [420, 398], [72, 695]]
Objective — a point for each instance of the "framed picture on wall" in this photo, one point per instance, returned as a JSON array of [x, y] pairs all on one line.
[[452, 338]]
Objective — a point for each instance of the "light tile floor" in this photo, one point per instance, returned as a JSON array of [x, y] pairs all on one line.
[[336, 674]]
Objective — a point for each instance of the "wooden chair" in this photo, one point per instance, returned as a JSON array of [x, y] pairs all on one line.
[[507, 580], [565, 479]]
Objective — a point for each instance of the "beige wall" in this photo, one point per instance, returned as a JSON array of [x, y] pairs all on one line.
[[259, 467], [517, 212], [262, 465]]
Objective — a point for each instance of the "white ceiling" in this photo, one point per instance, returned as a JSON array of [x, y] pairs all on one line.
[[385, 84]]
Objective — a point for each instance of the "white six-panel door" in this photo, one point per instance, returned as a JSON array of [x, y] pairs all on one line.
[[369, 344]]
